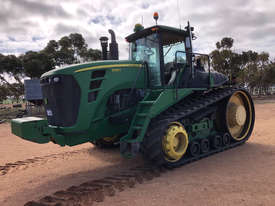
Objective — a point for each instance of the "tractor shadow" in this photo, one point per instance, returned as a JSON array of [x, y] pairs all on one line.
[[105, 154]]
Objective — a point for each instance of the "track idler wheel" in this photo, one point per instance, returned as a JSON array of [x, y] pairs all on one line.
[[216, 142], [194, 149], [226, 139], [205, 145], [239, 115]]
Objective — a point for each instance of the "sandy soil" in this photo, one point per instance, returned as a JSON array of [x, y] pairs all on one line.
[[241, 176]]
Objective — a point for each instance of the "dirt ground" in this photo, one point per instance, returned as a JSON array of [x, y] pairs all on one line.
[[242, 176]]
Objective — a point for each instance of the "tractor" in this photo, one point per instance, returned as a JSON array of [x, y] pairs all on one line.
[[164, 102]]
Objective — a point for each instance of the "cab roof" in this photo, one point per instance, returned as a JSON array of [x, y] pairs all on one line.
[[170, 35]]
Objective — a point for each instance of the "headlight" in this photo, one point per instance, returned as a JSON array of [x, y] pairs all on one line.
[[56, 79]]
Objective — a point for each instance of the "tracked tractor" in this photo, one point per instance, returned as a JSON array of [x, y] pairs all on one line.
[[165, 102]]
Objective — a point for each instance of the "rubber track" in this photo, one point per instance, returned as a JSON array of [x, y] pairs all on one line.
[[190, 105]]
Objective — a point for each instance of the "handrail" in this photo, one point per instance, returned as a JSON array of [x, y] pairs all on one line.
[[198, 54]]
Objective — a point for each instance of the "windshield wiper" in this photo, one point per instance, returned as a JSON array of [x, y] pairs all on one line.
[[167, 51]]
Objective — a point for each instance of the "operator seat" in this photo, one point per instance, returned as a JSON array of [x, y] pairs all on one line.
[[199, 66], [168, 68]]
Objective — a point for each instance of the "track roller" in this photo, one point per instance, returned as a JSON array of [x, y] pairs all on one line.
[[194, 149], [205, 145], [226, 139], [216, 142]]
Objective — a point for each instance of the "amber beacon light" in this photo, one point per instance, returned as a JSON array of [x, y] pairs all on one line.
[[156, 17]]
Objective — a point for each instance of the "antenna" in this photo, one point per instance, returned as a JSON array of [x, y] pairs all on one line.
[[179, 15]]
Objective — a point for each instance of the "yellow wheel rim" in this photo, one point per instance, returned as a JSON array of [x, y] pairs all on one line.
[[239, 115], [110, 139], [175, 142]]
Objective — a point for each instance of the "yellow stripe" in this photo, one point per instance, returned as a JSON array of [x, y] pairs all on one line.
[[108, 66]]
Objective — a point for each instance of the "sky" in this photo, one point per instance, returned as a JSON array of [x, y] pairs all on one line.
[[29, 24]]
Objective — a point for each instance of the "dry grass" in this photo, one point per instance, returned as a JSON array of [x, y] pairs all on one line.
[[8, 112]]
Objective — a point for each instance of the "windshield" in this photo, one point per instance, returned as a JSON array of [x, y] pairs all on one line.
[[147, 50], [169, 53]]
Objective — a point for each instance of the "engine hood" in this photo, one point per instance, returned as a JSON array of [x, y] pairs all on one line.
[[71, 69]]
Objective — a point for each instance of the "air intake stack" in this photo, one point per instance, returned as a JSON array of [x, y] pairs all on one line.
[[104, 45]]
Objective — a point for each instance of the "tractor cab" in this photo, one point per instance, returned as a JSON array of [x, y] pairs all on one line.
[[157, 47], [168, 54]]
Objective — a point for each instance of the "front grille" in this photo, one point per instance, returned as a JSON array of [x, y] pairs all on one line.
[[62, 99]]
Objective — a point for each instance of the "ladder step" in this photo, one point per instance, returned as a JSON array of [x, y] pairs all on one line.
[[137, 127], [141, 114], [147, 102]]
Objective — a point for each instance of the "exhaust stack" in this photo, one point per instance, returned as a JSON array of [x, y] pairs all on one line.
[[112, 54], [113, 46]]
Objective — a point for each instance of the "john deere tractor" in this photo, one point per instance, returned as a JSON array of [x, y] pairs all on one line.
[[165, 102]]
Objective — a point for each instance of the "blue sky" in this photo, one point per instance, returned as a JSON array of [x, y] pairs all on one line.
[[30, 24]]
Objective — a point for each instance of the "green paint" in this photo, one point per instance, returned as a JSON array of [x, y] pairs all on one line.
[[153, 104], [94, 119], [31, 128], [200, 130]]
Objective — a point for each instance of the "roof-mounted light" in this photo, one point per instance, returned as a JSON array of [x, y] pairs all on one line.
[[154, 28], [156, 17], [138, 27]]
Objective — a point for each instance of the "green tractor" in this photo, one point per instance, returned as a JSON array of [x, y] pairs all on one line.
[[164, 102]]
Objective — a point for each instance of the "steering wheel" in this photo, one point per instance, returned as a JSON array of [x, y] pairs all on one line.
[[149, 51]]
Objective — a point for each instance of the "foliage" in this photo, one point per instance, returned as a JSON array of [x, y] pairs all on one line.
[[4, 92], [11, 66], [92, 55], [68, 50], [249, 68], [36, 63], [224, 60]]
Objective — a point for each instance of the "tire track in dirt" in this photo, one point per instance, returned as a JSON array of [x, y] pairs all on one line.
[[96, 190], [24, 164]]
